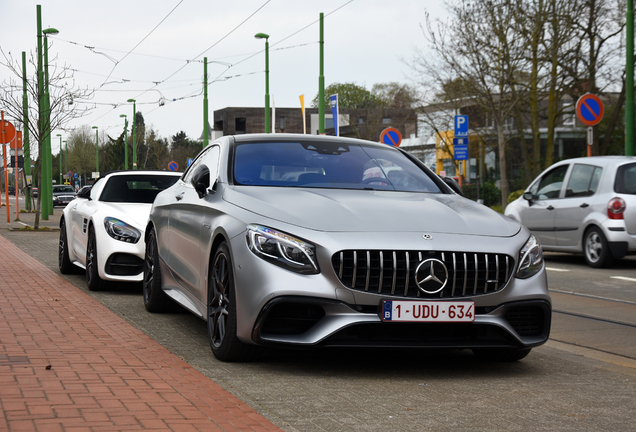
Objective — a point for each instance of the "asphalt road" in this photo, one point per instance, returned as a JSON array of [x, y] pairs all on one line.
[[583, 379]]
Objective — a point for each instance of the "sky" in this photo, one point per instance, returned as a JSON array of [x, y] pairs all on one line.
[[152, 51]]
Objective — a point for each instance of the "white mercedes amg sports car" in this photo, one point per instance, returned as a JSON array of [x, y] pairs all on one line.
[[102, 230]]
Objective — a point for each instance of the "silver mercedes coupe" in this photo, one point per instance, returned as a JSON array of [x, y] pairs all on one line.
[[314, 241]]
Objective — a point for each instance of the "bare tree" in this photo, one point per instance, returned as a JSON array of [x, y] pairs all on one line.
[[62, 94]]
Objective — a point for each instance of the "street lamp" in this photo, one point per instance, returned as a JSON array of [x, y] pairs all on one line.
[[96, 153], [60, 154], [267, 113], [46, 191], [126, 140], [134, 131]]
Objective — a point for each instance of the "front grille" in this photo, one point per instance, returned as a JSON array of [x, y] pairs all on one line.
[[392, 273], [526, 320]]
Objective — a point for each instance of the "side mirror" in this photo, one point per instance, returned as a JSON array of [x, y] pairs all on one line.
[[84, 193], [450, 182], [201, 180], [528, 197]]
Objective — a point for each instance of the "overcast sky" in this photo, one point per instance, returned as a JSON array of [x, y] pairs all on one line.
[[152, 51]]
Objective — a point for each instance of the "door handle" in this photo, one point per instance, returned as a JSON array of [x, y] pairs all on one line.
[[550, 208], [179, 197], [584, 205]]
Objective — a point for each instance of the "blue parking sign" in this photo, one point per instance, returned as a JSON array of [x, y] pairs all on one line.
[[461, 125]]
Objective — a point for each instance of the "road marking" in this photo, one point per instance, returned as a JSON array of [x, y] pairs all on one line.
[[623, 278], [557, 269]]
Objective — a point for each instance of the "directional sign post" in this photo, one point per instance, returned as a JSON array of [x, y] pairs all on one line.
[[460, 147], [589, 109]]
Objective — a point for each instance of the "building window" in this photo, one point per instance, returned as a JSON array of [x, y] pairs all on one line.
[[281, 124], [361, 120], [240, 125], [386, 120]]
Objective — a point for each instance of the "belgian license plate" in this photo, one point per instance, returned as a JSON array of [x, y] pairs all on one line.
[[427, 311]]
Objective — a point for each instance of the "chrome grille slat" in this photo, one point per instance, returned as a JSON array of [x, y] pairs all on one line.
[[355, 268], [394, 273], [465, 275], [469, 273], [408, 275], [366, 283]]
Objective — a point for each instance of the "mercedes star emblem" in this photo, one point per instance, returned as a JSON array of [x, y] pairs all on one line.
[[431, 276]]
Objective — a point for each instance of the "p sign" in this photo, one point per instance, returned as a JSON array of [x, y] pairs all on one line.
[[461, 126]]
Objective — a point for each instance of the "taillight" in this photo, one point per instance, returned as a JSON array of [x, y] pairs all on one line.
[[615, 208]]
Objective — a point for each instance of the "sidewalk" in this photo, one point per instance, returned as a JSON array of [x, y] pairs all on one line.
[[26, 219], [67, 363]]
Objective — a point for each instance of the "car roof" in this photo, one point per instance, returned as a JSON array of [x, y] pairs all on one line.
[[600, 160], [288, 137]]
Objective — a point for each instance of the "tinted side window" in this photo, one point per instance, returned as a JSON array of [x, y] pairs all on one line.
[[583, 180], [626, 179], [550, 184]]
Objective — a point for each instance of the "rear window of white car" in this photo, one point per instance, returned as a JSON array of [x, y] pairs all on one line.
[[328, 165], [626, 179]]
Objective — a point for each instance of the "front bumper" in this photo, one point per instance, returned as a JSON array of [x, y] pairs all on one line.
[[310, 322]]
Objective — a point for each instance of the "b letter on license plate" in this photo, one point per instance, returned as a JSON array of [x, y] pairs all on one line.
[[427, 311]]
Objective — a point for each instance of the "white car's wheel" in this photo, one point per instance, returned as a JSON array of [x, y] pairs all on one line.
[[63, 261], [94, 282]]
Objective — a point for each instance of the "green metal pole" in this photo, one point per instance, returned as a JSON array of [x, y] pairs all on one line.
[[25, 132], [44, 211], [268, 128], [125, 140], [66, 160], [96, 152], [321, 80], [629, 81], [206, 124], [134, 131], [61, 181]]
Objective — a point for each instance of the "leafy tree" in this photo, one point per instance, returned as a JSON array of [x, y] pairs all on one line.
[[81, 149], [350, 95]]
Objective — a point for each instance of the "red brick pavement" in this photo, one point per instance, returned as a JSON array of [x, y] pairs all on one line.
[[67, 363]]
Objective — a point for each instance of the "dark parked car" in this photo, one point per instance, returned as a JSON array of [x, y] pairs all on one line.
[[11, 190], [63, 194]]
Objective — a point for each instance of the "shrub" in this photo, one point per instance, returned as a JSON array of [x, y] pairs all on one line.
[[488, 192]]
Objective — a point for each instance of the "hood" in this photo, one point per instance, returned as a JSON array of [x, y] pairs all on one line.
[[372, 211], [132, 213]]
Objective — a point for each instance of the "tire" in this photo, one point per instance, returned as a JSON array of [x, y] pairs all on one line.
[[222, 320], [63, 260], [155, 299], [596, 249], [93, 281], [501, 354]]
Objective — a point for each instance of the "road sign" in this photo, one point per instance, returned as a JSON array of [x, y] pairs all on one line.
[[461, 126], [173, 166], [589, 109], [7, 131], [70, 174], [391, 136], [190, 161], [460, 147]]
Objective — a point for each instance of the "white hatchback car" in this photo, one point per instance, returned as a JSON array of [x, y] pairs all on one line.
[[583, 205]]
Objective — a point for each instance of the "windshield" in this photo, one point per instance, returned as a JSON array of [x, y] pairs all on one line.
[[136, 188], [63, 189], [328, 165]]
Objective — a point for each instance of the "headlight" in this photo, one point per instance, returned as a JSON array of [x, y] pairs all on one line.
[[282, 249], [121, 231], [530, 259]]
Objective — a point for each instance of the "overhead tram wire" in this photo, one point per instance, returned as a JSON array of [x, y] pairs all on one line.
[[214, 44], [140, 42]]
